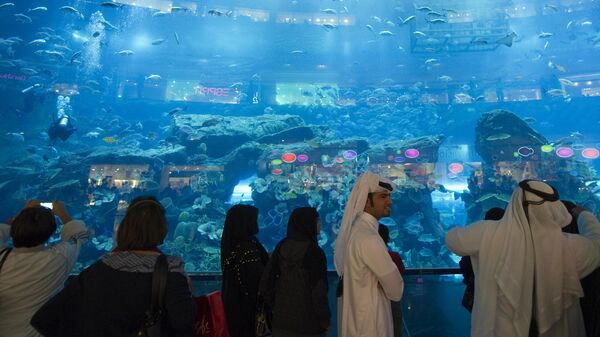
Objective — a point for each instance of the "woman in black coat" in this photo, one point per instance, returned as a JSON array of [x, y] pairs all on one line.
[[243, 259], [295, 281]]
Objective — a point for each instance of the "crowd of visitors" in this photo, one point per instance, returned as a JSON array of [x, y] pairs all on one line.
[[523, 268]]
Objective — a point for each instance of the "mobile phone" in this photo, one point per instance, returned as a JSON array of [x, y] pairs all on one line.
[[46, 204]]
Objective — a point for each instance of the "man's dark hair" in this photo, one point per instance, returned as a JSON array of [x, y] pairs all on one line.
[[384, 232], [144, 225], [32, 227]]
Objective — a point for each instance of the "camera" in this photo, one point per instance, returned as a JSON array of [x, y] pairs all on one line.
[[46, 204]]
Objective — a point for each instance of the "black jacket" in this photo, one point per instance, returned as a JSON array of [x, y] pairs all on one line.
[[103, 301], [297, 274]]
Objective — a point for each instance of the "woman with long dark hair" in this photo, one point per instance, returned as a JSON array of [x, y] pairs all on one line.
[[242, 262], [294, 283]]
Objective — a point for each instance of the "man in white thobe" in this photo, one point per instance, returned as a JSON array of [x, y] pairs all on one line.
[[526, 270], [370, 277]]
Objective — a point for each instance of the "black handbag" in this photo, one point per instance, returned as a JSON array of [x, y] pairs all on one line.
[[152, 322]]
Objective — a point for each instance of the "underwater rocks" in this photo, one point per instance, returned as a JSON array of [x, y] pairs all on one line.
[[500, 134], [223, 134], [175, 153], [403, 150]]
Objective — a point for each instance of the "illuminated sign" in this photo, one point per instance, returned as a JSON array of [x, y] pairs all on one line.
[[195, 91]]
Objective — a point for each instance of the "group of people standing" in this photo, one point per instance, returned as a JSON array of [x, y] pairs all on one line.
[[293, 280], [526, 271]]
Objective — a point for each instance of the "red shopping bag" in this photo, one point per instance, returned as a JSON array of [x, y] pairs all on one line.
[[210, 321]]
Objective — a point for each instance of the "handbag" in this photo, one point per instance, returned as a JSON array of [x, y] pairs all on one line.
[[210, 320], [152, 321], [263, 320]]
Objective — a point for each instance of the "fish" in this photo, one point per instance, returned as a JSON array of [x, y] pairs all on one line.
[[426, 252], [38, 9], [419, 34], [570, 24], [92, 134], [427, 238], [28, 89], [328, 26], [158, 41], [177, 39], [71, 10], [507, 40], [438, 20], [498, 136], [430, 61], [369, 27], [16, 136], [408, 19], [111, 5], [544, 35], [174, 111], [216, 12], [566, 82], [557, 67], [445, 78], [386, 33], [22, 18], [153, 77], [423, 9], [297, 52], [125, 52], [160, 13], [551, 7], [557, 93], [176, 9], [75, 56], [329, 11], [96, 34], [375, 18], [108, 25], [37, 42], [529, 120], [110, 140], [28, 71], [7, 4]]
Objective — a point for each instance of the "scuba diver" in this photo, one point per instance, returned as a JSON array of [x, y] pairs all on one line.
[[62, 127]]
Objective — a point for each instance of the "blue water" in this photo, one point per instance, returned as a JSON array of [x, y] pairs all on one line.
[[283, 104]]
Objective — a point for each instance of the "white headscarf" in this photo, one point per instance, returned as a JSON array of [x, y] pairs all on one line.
[[508, 257], [366, 183]]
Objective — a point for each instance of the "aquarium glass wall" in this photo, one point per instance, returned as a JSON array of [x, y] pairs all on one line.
[[283, 103]]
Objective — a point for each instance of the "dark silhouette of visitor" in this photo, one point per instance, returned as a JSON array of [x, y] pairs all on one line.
[[294, 283], [243, 259]]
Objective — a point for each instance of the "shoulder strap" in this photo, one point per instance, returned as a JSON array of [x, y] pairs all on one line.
[[159, 283], [7, 250]]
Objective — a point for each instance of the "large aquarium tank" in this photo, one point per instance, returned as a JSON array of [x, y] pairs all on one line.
[[284, 103]]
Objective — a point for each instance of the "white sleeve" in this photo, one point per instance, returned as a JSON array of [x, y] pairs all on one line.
[[74, 234], [587, 247], [4, 235], [377, 258], [465, 241]]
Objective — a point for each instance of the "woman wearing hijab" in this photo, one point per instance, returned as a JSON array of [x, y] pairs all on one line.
[[295, 280], [242, 262], [526, 270]]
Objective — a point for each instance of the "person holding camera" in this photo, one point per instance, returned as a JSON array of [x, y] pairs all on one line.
[[31, 271]]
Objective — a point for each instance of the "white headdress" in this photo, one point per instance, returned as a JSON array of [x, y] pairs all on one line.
[[514, 261], [366, 183]]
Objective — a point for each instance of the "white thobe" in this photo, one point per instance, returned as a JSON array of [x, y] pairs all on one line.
[[371, 280], [584, 250]]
